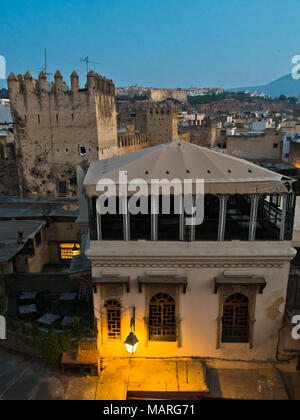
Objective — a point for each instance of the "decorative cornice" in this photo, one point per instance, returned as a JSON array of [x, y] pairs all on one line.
[[145, 265]]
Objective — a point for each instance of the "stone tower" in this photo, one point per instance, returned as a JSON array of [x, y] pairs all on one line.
[[161, 124], [56, 128]]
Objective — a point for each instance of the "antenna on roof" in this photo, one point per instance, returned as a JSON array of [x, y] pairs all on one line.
[[87, 61], [45, 68]]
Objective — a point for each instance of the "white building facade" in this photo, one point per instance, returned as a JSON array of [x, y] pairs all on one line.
[[214, 290]]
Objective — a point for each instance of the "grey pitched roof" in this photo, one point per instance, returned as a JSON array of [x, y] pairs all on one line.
[[79, 264], [181, 160], [21, 208], [9, 245]]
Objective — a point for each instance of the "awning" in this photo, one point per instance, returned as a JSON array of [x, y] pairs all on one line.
[[163, 279], [112, 280], [240, 280], [222, 174]]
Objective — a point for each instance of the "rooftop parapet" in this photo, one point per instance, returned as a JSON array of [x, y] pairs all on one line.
[[163, 109], [43, 81], [58, 84], [95, 83]]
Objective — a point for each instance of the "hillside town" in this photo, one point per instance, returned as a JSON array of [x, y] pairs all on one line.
[[205, 311]]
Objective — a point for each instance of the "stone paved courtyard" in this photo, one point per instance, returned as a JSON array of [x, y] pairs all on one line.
[[24, 378]]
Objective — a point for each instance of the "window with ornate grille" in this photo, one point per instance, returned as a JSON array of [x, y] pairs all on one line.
[[113, 315], [162, 319], [235, 321]]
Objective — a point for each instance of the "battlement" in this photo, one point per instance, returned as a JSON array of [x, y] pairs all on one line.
[[23, 84], [57, 128], [165, 109]]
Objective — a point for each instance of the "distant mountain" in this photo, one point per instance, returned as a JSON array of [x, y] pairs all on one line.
[[285, 85]]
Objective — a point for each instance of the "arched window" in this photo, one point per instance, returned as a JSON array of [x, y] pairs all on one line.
[[113, 316], [162, 319], [235, 321]]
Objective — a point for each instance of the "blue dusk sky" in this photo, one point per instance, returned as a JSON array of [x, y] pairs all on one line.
[[159, 43]]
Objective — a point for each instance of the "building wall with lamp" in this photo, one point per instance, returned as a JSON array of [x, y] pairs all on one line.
[[186, 287], [197, 310]]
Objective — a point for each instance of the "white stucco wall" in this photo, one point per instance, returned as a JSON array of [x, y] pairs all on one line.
[[200, 262]]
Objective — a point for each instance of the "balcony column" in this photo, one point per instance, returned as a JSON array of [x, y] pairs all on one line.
[[154, 215], [193, 230], [283, 217], [253, 216], [99, 230], [126, 219], [181, 222], [192, 217], [222, 215]]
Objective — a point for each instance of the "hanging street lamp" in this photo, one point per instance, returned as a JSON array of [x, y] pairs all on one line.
[[131, 341]]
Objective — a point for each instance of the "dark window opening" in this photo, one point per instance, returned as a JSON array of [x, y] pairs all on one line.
[[38, 239], [28, 250], [275, 145], [208, 229], [82, 150], [235, 321], [168, 224], [269, 217], [238, 217], [20, 264], [162, 318], [73, 181], [10, 151], [293, 290], [2, 151], [140, 224], [112, 225], [62, 188]]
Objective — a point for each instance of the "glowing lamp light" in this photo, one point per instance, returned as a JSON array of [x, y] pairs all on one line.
[[131, 343]]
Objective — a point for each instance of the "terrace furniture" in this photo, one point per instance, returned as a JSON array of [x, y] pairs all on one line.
[[27, 309], [68, 296], [28, 295], [48, 319]]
